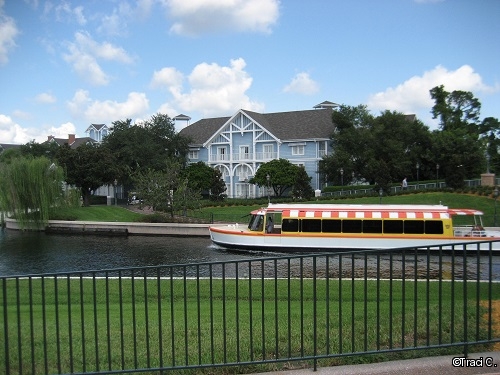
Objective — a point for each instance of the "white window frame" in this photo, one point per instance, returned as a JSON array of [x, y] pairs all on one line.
[[221, 153], [298, 150], [194, 154], [266, 154]]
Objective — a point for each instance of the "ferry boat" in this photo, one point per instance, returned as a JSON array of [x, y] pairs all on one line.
[[330, 227]]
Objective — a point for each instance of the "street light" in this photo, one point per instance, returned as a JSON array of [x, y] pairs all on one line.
[[495, 193], [418, 169], [268, 178], [341, 176], [115, 183], [380, 192], [437, 175]]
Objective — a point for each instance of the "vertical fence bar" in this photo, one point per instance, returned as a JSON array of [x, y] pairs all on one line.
[[440, 297], [108, 320], [428, 296], [340, 309], [122, 332], [212, 349], [478, 290], [146, 323], [6, 327], [452, 322], [160, 320], [19, 332], [198, 312], [353, 299], [276, 315], [224, 313], [82, 322], [186, 329], [465, 303], [415, 298], [289, 307], [57, 322], [172, 317], [327, 307], [365, 301], [302, 307], [250, 307], [403, 300], [391, 285], [44, 326], [134, 318], [237, 311], [262, 309], [315, 314], [378, 301], [96, 328]]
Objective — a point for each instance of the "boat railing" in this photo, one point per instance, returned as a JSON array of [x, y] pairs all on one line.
[[469, 231]]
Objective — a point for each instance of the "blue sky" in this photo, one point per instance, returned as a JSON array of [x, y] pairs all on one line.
[[65, 64]]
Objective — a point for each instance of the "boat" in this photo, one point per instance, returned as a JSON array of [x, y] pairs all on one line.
[[331, 227]]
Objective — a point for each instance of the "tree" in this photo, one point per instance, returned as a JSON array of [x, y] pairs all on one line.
[[34, 149], [302, 187], [145, 146], [282, 175], [217, 186], [199, 176], [461, 152], [30, 188], [166, 190], [88, 167]]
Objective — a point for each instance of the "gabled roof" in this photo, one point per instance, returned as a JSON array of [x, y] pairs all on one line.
[[308, 124], [96, 127], [74, 142]]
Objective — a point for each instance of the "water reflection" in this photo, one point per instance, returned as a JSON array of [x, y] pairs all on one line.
[[34, 253]]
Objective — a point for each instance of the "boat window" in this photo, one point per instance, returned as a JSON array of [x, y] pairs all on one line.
[[311, 225], [256, 223], [332, 226], [414, 226], [290, 225], [352, 226], [372, 226], [434, 227], [393, 226]]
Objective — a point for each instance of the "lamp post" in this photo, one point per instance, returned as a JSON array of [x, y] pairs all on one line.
[[495, 193], [437, 175], [246, 188], [341, 176], [380, 192], [115, 183], [268, 178], [418, 169]]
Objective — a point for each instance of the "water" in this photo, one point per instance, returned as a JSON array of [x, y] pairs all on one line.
[[24, 253]]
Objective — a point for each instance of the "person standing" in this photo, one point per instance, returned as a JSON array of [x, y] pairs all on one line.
[[404, 184]]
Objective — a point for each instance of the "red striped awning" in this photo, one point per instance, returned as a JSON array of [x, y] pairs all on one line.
[[352, 214], [464, 211]]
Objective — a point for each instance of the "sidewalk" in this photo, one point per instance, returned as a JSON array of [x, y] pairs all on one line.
[[442, 365]]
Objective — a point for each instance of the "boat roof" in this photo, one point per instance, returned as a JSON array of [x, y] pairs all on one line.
[[366, 210]]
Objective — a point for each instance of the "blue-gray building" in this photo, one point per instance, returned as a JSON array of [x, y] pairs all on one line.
[[239, 144]]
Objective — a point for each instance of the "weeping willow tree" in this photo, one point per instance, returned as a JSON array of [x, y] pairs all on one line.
[[29, 189]]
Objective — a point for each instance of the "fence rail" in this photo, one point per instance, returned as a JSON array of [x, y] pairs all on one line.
[[314, 309]]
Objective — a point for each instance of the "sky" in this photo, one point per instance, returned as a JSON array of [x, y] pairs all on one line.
[[66, 64]]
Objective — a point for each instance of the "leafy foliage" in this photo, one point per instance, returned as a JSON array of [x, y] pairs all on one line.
[[88, 167], [30, 188], [282, 175], [302, 187]]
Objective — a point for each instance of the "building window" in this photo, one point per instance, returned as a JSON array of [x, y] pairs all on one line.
[[193, 154], [298, 150], [221, 153], [244, 152], [268, 151]]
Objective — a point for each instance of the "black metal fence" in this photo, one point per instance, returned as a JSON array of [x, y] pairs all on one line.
[[252, 315]]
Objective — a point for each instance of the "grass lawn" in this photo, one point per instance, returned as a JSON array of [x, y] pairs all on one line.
[[239, 213], [80, 324]]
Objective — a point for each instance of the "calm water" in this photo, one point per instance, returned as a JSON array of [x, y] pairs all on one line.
[[23, 253]]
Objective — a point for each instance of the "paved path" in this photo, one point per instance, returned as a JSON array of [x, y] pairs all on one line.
[[442, 365]]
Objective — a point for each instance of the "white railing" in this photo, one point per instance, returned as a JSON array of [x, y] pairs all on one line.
[[258, 156]]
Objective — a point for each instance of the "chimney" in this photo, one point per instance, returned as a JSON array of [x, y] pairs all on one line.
[[49, 138], [71, 139]]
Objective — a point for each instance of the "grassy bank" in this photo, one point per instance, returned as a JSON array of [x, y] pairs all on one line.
[[238, 213], [110, 324]]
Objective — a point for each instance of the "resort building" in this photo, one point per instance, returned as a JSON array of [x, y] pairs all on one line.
[[239, 144]]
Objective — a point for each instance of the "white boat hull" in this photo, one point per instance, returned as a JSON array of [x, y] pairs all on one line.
[[234, 238]]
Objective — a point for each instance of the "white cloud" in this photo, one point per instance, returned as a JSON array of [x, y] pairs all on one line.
[[167, 77], [214, 90], [45, 98], [12, 132], [195, 17], [107, 111], [84, 53], [412, 96], [302, 84], [8, 34]]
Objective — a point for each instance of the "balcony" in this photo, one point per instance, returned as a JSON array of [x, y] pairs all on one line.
[[237, 157]]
